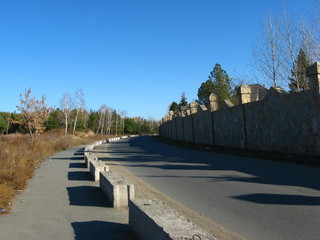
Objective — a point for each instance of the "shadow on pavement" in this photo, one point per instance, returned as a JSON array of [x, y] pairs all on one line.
[[280, 199], [68, 158], [145, 152], [79, 176], [87, 196], [79, 152], [77, 165], [99, 230]]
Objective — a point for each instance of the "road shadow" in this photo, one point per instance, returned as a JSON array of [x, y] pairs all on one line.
[[79, 152], [99, 230], [68, 158], [79, 176], [87, 196], [281, 199], [145, 152]]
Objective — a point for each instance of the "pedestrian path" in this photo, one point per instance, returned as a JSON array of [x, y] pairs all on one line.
[[62, 202]]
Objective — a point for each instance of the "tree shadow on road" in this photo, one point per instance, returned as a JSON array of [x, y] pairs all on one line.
[[281, 199], [145, 152]]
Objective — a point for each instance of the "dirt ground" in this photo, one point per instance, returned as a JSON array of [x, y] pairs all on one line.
[[145, 191]]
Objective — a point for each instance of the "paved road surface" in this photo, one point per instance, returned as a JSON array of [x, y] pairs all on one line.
[[62, 203], [254, 198]]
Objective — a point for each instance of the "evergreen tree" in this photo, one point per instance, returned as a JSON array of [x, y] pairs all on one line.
[[52, 121], [204, 91], [93, 121], [218, 83], [183, 102], [298, 81], [173, 107]]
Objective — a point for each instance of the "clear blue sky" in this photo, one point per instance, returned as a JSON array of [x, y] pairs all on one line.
[[133, 55]]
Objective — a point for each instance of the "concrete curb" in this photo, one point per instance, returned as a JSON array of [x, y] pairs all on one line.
[[96, 167], [89, 158], [117, 189], [163, 222]]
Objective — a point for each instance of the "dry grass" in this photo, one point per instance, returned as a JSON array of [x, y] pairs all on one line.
[[19, 158]]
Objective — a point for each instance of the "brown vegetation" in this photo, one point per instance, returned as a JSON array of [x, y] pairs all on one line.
[[19, 157]]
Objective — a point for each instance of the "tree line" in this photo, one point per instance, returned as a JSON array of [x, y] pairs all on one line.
[[284, 50], [34, 117]]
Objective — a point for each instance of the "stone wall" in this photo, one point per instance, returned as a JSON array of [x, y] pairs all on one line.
[[288, 123]]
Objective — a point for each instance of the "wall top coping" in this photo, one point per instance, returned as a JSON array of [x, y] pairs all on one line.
[[244, 89], [213, 97], [193, 104], [202, 107]]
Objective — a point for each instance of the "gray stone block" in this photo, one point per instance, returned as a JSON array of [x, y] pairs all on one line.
[[163, 223], [97, 166], [116, 188]]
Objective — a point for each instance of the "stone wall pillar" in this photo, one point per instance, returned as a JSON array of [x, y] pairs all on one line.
[[244, 94], [313, 73], [213, 99], [171, 115], [193, 108]]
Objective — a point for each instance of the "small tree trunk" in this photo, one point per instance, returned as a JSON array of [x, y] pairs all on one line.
[[116, 124], [66, 124], [30, 132], [75, 122]]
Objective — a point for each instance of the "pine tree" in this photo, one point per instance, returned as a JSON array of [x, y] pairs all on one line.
[[218, 83], [298, 81], [173, 107], [204, 91], [183, 103]]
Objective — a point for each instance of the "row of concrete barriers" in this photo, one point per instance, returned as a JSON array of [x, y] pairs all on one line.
[[149, 219]]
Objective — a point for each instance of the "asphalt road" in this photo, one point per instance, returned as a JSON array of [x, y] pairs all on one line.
[[254, 198]]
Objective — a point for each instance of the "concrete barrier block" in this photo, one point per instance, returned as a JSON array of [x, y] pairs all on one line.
[[117, 189], [89, 158], [163, 222], [96, 167]]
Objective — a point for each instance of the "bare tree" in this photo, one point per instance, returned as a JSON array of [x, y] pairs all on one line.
[[315, 24], [109, 120], [289, 37], [80, 107], [308, 43], [34, 113], [105, 119], [267, 52], [123, 115], [151, 121], [66, 104], [102, 113]]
